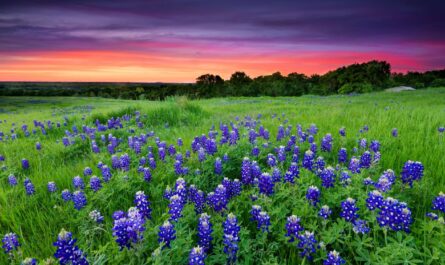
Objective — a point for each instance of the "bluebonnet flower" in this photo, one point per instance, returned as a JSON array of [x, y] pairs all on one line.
[[175, 207], [233, 138], [342, 155], [384, 183], [395, 132], [79, 199], [25, 164], [412, 171], [310, 139], [87, 171], [313, 129], [360, 227], [266, 184], [197, 256], [10, 242], [441, 129], [2, 157], [52, 186], [65, 141], [313, 148], [439, 202], [354, 165], [147, 174], [374, 200], [201, 154], [95, 183], [377, 157], [218, 199], [218, 166], [334, 258], [231, 239], [66, 195], [263, 221], [161, 153], [205, 232], [342, 131], [395, 215], [246, 172], [178, 167], [152, 163], [368, 181], [374, 146], [252, 136], [363, 143], [12, 180], [38, 146], [276, 175], [326, 143], [327, 177], [106, 173], [280, 134], [365, 160], [349, 210], [78, 183], [179, 142], [235, 188], [198, 199], [125, 162], [432, 216], [271, 160], [128, 228], [142, 204], [308, 160], [226, 157], [281, 153], [166, 233], [325, 212], [308, 244], [345, 178], [115, 162], [96, 216], [293, 227], [67, 252], [313, 195], [319, 163], [29, 187]]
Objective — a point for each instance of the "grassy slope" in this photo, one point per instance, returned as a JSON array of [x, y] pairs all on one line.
[[37, 220]]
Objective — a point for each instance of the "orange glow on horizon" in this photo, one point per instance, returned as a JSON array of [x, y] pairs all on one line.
[[114, 66]]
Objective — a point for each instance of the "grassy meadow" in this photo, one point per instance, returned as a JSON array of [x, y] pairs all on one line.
[[37, 219]]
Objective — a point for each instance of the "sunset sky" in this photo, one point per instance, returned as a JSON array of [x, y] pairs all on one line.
[[175, 41]]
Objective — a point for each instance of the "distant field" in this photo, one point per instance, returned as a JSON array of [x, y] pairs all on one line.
[[38, 218]]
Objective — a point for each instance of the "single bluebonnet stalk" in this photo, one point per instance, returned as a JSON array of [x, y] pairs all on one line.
[[313, 195], [95, 183], [166, 233], [308, 244], [51, 187], [142, 204], [79, 199], [197, 256], [67, 252], [334, 258], [439, 202], [266, 184], [325, 212], [349, 210], [10, 243], [293, 227], [96, 216], [231, 239], [412, 171], [205, 232]]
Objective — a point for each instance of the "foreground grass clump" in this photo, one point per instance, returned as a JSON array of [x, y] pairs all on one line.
[[242, 180]]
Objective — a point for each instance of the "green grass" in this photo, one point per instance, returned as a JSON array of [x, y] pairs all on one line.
[[38, 219]]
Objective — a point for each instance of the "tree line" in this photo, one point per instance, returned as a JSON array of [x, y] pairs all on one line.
[[355, 78]]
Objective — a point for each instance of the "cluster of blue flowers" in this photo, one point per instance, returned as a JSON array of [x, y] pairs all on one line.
[[128, 227]]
